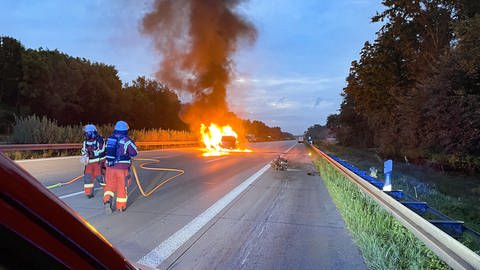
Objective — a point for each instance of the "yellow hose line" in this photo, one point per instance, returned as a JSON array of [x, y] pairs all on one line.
[[143, 166], [153, 161], [65, 183]]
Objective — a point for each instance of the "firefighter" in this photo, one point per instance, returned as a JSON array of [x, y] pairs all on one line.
[[119, 152], [93, 151]]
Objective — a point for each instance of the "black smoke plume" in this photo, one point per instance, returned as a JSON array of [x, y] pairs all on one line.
[[196, 39]]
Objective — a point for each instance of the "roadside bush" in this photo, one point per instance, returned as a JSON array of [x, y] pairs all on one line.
[[35, 129]]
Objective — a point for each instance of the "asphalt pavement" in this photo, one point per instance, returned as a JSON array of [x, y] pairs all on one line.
[[227, 212]]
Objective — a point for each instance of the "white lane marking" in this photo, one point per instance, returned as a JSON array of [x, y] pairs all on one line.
[[165, 156], [155, 257], [246, 256], [213, 160], [71, 194], [290, 148], [74, 194]]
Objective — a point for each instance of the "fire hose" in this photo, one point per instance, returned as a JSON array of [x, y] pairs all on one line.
[[135, 174], [65, 183], [153, 161]]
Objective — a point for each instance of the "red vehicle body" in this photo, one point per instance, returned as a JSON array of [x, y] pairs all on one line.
[[39, 231]]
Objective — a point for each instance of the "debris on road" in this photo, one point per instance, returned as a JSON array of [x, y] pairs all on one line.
[[279, 164]]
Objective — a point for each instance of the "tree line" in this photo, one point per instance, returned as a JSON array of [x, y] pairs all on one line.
[[317, 133], [72, 90], [415, 91], [263, 132]]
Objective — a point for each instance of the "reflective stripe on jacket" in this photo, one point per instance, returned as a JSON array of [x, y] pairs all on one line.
[[125, 151], [97, 147]]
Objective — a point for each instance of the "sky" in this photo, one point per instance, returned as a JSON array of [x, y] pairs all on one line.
[[291, 77]]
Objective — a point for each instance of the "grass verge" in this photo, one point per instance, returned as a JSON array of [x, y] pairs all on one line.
[[383, 241]]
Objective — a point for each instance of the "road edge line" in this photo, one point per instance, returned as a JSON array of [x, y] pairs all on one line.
[[160, 253]]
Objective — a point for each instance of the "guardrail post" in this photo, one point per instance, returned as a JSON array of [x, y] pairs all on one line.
[[387, 170]]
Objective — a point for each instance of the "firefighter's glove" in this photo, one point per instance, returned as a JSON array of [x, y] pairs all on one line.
[[84, 159]]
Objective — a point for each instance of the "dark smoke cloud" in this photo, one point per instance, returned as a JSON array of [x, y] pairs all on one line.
[[196, 39]]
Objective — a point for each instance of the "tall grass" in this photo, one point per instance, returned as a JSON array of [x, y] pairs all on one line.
[[157, 135], [41, 130], [383, 241], [34, 129]]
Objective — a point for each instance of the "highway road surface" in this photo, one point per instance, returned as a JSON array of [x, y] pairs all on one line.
[[228, 212]]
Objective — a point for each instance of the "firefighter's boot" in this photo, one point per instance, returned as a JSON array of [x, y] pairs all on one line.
[[88, 185], [108, 207], [101, 180]]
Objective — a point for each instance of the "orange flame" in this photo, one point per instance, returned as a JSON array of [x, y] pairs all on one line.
[[219, 140]]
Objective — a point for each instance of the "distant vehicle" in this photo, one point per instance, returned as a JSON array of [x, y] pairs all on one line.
[[251, 137], [229, 142], [300, 139], [39, 231]]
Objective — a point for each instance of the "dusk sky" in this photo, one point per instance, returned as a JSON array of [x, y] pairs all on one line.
[[291, 77]]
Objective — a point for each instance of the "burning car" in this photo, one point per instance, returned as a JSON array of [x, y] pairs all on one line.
[[219, 140], [229, 142]]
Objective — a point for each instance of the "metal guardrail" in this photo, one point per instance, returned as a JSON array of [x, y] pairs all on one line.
[[31, 147], [452, 252], [453, 227]]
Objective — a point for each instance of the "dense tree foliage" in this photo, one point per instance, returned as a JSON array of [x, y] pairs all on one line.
[[317, 133], [72, 90], [415, 91], [262, 132], [160, 105], [75, 90], [10, 78]]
